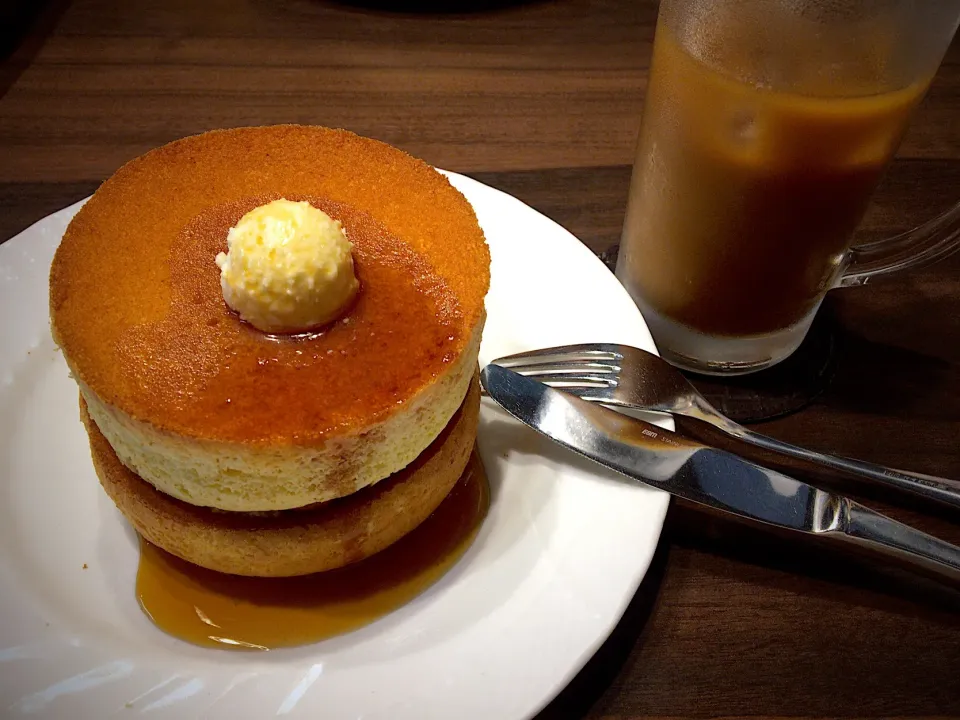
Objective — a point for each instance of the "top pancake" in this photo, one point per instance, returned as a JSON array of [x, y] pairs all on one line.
[[137, 308]]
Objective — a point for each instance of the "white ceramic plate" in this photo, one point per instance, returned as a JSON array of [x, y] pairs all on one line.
[[557, 560]]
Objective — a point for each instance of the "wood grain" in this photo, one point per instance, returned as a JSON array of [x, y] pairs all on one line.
[[542, 100]]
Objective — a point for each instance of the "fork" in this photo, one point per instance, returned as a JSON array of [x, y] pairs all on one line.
[[628, 377]]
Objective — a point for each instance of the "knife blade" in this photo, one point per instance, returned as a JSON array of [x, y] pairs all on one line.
[[707, 476]]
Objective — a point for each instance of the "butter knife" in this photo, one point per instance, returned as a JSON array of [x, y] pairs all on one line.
[[714, 478]]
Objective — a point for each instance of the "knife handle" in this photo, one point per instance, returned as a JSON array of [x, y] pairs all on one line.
[[774, 453], [865, 528]]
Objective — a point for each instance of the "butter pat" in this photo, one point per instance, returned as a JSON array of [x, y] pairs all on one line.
[[288, 268]]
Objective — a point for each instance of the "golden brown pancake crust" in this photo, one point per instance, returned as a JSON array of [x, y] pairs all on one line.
[[137, 309], [293, 542]]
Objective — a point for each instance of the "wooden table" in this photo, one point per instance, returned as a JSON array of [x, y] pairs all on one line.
[[542, 100]]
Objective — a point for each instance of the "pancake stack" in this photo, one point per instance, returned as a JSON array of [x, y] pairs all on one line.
[[264, 455]]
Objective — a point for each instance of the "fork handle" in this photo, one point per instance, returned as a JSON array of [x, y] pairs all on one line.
[[928, 487]]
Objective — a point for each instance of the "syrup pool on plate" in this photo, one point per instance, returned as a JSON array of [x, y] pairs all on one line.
[[209, 608]]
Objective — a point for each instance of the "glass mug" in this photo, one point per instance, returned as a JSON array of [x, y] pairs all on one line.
[[766, 128]]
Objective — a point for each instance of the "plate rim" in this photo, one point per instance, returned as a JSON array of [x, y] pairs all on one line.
[[456, 180]]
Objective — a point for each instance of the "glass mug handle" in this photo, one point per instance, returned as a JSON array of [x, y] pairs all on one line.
[[923, 245]]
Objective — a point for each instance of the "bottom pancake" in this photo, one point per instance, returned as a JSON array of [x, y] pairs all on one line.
[[293, 542]]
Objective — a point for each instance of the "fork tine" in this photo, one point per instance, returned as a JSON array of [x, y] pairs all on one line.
[[562, 353], [572, 381], [560, 368], [593, 394]]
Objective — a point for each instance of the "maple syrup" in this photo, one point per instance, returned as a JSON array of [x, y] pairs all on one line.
[[205, 372], [212, 609]]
